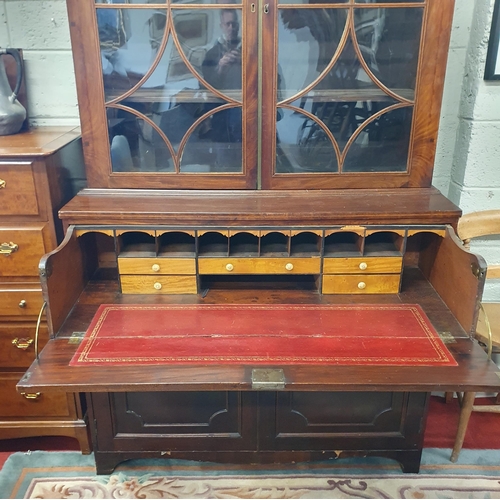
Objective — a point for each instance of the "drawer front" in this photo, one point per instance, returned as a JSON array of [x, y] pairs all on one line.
[[156, 266], [23, 303], [21, 250], [159, 285], [31, 405], [17, 189], [259, 266], [362, 265], [17, 343], [361, 284]]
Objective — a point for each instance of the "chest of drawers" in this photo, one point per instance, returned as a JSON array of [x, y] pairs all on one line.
[[33, 186]]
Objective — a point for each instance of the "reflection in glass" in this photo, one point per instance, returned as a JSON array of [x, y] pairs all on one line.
[[129, 1], [339, 123], [389, 40], [389, 1], [383, 144], [171, 90], [312, 1], [307, 42], [135, 144], [302, 145]]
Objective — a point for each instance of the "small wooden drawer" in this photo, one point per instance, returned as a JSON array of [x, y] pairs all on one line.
[[361, 284], [259, 265], [357, 265], [23, 303], [17, 343], [21, 250], [17, 189], [162, 284], [42, 404], [156, 266]]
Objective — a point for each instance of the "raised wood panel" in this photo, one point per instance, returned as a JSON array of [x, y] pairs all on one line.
[[163, 284], [17, 189], [361, 284], [160, 421], [259, 265], [343, 421], [164, 266], [362, 265]]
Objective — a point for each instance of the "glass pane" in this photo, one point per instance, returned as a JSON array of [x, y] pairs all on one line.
[[201, 2], [307, 42], [135, 145], [125, 2], [302, 145], [171, 91], [312, 1], [215, 145], [215, 34], [389, 1], [383, 144], [389, 40]]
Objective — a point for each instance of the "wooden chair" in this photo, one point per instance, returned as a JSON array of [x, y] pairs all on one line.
[[474, 225]]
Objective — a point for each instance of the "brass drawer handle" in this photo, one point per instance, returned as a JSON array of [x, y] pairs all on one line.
[[22, 304], [22, 344], [31, 395], [229, 267], [361, 285], [2, 184], [363, 266], [155, 267], [157, 286], [8, 248], [289, 266]]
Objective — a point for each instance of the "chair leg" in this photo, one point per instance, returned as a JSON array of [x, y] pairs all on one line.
[[448, 397], [465, 412]]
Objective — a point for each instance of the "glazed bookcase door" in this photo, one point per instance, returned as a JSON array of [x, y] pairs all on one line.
[[162, 108], [353, 94]]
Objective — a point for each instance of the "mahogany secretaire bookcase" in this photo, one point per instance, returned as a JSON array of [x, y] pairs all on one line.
[[259, 238]]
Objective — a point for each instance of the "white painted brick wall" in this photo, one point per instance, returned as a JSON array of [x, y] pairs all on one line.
[[467, 169], [40, 28]]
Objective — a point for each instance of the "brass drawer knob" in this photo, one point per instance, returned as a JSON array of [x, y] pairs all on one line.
[[23, 304], [8, 248], [289, 266], [2, 184], [157, 286], [22, 344], [363, 266], [229, 267], [361, 285], [31, 395], [155, 267]]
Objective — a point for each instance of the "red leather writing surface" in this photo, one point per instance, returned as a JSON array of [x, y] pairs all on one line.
[[390, 335]]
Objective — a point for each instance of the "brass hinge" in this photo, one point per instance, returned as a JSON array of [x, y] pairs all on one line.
[[447, 337], [76, 337]]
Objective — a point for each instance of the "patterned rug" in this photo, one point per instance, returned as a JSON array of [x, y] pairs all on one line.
[[51, 475]]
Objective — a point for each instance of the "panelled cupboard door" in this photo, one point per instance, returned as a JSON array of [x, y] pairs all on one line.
[[346, 93]]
